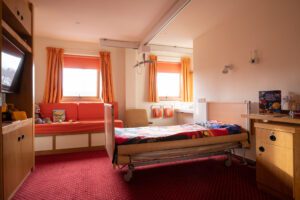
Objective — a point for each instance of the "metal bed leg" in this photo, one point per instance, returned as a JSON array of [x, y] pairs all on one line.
[[244, 161], [228, 161], [128, 175]]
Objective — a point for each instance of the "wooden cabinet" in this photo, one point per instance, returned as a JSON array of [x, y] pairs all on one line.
[[17, 154], [16, 138], [277, 159], [20, 11]]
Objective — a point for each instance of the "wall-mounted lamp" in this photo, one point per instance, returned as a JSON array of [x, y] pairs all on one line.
[[227, 68], [253, 57]]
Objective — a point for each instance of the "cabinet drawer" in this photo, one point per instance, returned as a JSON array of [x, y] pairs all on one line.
[[274, 167], [278, 138]]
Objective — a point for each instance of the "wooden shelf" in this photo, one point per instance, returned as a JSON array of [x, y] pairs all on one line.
[[273, 118], [12, 35]]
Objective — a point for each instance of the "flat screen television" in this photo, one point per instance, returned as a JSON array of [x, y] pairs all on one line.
[[12, 59]]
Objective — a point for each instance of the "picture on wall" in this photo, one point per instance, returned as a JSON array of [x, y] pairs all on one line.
[[270, 101]]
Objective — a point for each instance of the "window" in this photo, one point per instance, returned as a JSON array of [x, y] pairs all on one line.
[[168, 80], [81, 78]]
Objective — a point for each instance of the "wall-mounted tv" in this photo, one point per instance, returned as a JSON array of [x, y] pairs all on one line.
[[11, 61]]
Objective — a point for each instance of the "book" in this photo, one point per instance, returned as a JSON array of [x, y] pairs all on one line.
[[270, 101], [59, 115]]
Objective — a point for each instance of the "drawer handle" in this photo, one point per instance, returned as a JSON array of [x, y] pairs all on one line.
[[22, 17], [18, 12], [23, 136], [19, 138], [261, 149], [273, 137]]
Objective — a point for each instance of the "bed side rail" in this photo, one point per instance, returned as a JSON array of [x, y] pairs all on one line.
[[109, 130]]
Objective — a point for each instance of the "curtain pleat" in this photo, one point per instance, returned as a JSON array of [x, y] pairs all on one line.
[[53, 86], [106, 73], [186, 80], [153, 96]]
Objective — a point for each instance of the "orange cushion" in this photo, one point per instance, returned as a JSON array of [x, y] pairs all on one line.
[[73, 127], [70, 110], [93, 111], [90, 111]]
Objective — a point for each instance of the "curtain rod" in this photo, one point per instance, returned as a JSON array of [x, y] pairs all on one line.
[[86, 52]]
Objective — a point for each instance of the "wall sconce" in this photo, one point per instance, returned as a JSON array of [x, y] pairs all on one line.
[[227, 69], [253, 57]]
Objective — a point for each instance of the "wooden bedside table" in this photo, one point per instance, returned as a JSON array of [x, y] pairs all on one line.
[[278, 159]]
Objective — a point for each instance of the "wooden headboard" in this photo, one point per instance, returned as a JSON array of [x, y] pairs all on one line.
[[227, 112]]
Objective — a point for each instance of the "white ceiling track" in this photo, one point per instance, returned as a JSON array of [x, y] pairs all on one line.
[[164, 21], [142, 46], [119, 43], [174, 49]]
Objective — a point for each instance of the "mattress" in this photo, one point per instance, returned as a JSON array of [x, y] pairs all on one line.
[[151, 134]]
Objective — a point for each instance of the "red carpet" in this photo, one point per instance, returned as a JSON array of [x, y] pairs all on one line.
[[90, 175]]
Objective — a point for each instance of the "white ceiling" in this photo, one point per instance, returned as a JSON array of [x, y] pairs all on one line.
[[90, 20], [196, 19], [131, 20]]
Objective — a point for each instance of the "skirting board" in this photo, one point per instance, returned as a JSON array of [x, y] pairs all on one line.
[[61, 151], [57, 143]]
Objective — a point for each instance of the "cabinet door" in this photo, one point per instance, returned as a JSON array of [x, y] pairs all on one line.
[[12, 157], [21, 11], [27, 148], [24, 14], [12, 5], [274, 167]]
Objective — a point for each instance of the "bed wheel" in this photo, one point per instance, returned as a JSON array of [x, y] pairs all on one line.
[[228, 163], [128, 175]]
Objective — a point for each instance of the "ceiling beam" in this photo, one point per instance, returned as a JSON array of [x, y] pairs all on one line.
[[165, 20]]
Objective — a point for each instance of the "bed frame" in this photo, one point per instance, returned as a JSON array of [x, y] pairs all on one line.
[[133, 155]]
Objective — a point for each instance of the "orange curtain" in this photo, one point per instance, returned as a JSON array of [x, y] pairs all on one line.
[[106, 73], [53, 86], [186, 80], [153, 96]]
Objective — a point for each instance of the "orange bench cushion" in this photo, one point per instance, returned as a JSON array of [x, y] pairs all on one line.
[[93, 111], [71, 110], [73, 127]]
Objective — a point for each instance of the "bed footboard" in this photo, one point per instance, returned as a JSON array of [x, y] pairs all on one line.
[[109, 130]]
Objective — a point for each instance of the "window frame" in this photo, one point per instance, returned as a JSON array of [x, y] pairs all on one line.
[[83, 98]]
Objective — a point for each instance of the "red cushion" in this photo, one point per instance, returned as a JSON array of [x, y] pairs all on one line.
[[70, 109], [93, 111], [73, 127]]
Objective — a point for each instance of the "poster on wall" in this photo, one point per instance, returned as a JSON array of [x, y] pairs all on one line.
[[269, 102]]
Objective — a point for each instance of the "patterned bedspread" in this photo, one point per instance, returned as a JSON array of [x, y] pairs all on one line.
[[169, 133]]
